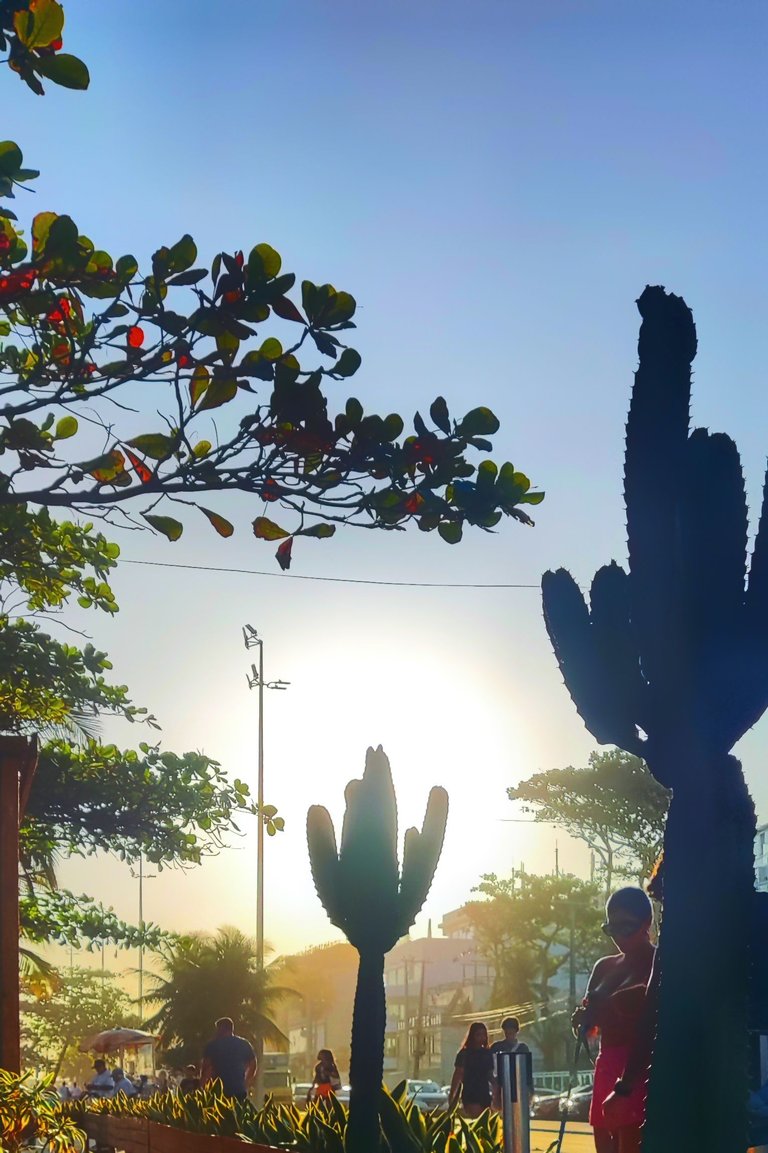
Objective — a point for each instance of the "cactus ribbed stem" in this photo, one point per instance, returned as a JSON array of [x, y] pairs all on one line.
[[672, 665], [366, 1071]]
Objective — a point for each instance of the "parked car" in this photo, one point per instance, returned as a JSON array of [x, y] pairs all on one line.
[[427, 1095], [545, 1104], [300, 1090], [577, 1105]]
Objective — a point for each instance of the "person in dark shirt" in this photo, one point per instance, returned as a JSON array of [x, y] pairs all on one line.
[[229, 1058], [473, 1072], [509, 1044], [190, 1082]]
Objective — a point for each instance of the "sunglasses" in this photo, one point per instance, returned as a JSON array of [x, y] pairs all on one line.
[[616, 929]]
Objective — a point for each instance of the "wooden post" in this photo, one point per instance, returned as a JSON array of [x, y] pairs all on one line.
[[18, 760]]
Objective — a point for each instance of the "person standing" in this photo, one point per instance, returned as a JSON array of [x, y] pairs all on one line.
[[473, 1072], [229, 1058], [122, 1084], [190, 1082], [616, 1006], [509, 1044], [326, 1077], [102, 1084]]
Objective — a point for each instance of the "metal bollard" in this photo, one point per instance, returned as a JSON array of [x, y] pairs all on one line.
[[514, 1073]]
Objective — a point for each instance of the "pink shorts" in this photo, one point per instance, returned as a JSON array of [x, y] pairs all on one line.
[[630, 1110]]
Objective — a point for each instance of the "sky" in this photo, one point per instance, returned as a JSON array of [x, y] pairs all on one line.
[[495, 183]]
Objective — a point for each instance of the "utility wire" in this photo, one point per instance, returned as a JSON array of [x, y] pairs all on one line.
[[328, 579]]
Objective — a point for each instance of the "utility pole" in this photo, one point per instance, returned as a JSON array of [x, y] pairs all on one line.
[[141, 876], [252, 640], [418, 1052], [407, 1022]]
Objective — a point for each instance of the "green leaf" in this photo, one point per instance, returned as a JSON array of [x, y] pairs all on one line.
[[479, 422], [271, 349], [182, 255], [40, 26], [532, 498], [10, 158], [155, 445], [63, 69], [438, 410], [220, 523], [348, 363], [450, 531], [201, 378], [165, 524], [263, 263], [321, 531], [217, 393], [65, 428], [265, 529]]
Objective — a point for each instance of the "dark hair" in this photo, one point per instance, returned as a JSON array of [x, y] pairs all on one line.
[[631, 900], [510, 1023], [225, 1023], [472, 1032], [326, 1057]]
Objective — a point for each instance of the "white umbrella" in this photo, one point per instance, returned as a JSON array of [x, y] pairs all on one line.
[[110, 1040]]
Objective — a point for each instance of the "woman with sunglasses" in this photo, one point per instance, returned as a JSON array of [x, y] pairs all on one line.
[[615, 1006]]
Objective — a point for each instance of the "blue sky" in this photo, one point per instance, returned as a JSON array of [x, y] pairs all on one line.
[[495, 182]]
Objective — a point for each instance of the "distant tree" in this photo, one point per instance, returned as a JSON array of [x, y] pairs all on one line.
[[209, 976], [524, 926], [614, 805], [53, 1025], [323, 979]]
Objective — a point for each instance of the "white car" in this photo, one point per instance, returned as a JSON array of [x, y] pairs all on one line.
[[427, 1095]]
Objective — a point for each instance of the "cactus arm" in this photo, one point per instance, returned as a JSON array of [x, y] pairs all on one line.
[[421, 853], [657, 430], [713, 550], [324, 862], [566, 617], [624, 689]]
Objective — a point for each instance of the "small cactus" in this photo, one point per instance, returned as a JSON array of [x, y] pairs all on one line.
[[366, 895], [670, 662]]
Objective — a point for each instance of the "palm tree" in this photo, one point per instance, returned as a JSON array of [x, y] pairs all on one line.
[[210, 976]]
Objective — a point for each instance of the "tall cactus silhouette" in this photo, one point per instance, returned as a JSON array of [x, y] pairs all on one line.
[[367, 897], [670, 661]]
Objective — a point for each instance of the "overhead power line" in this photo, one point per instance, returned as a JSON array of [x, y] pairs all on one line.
[[329, 579]]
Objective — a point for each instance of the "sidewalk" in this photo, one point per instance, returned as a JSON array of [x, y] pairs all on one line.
[[578, 1137]]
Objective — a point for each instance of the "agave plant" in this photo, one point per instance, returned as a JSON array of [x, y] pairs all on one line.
[[374, 904], [670, 662], [31, 1116]]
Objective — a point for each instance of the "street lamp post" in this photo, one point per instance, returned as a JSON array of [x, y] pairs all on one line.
[[141, 876], [256, 680]]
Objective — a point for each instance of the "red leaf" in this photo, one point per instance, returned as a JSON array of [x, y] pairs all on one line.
[[135, 336], [142, 472], [270, 490], [283, 554], [287, 310]]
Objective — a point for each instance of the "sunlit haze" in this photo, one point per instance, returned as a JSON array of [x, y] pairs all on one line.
[[495, 183]]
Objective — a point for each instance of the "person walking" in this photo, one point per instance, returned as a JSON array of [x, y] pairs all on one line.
[[326, 1077], [616, 1005], [229, 1058], [473, 1072], [510, 1027]]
